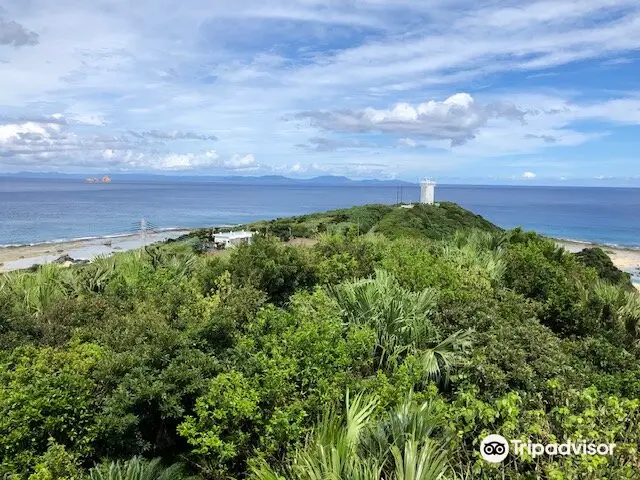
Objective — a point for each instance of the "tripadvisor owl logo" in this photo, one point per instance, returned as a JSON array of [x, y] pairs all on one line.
[[494, 448]]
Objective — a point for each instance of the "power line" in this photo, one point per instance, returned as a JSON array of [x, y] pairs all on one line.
[[142, 227]]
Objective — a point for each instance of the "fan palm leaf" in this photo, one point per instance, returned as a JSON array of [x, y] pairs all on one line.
[[138, 469], [419, 461], [402, 321], [358, 445]]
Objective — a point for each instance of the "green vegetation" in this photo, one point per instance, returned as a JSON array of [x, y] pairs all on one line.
[[598, 259], [387, 349], [422, 221]]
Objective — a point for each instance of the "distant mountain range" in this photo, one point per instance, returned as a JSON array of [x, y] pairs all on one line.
[[326, 180], [334, 180]]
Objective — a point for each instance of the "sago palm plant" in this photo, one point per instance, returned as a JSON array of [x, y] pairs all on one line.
[[357, 444], [183, 265], [629, 314], [611, 297], [138, 469], [37, 290], [402, 320], [102, 271], [481, 240], [94, 277], [619, 307], [481, 254], [418, 461], [180, 263], [130, 268]]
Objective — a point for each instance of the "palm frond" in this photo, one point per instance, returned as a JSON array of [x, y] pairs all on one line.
[[419, 461], [355, 444], [440, 360], [138, 469], [629, 314], [402, 321]]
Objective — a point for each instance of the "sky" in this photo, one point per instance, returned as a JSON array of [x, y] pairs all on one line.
[[458, 90]]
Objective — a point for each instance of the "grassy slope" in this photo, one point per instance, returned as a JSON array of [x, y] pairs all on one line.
[[392, 221], [431, 221]]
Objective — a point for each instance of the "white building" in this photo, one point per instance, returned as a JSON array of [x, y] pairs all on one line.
[[230, 239], [427, 191]]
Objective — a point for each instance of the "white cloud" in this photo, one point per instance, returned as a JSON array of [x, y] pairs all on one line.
[[173, 135], [322, 144], [241, 162], [95, 120], [456, 119], [364, 168], [378, 70], [51, 143], [529, 175], [178, 162], [407, 142], [297, 168], [26, 132], [208, 160], [192, 161]]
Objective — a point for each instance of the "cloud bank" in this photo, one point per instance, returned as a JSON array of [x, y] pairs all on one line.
[[456, 119], [377, 87]]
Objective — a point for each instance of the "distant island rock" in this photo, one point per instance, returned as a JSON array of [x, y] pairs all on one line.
[[104, 179]]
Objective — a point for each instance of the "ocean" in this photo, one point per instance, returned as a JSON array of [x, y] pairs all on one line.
[[46, 210]]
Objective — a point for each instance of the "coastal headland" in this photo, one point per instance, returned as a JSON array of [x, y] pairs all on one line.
[[25, 256]]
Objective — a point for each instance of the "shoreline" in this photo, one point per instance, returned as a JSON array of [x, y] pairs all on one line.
[[111, 236], [589, 244], [21, 257], [625, 258], [18, 257]]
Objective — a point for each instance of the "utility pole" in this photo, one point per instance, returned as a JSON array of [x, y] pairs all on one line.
[[142, 227], [143, 230]]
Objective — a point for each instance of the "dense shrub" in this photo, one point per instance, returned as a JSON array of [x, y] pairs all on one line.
[[48, 394], [598, 259], [274, 268], [436, 326]]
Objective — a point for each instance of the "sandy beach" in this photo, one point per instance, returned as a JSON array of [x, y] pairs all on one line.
[[20, 257], [626, 259]]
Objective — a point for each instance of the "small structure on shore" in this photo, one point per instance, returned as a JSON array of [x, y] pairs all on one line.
[[231, 239], [427, 191]]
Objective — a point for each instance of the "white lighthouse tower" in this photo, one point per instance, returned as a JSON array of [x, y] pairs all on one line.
[[427, 191]]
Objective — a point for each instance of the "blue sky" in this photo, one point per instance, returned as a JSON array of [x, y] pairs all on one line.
[[460, 90]]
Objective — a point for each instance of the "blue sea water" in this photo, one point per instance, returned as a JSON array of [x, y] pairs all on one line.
[[40, 210]]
